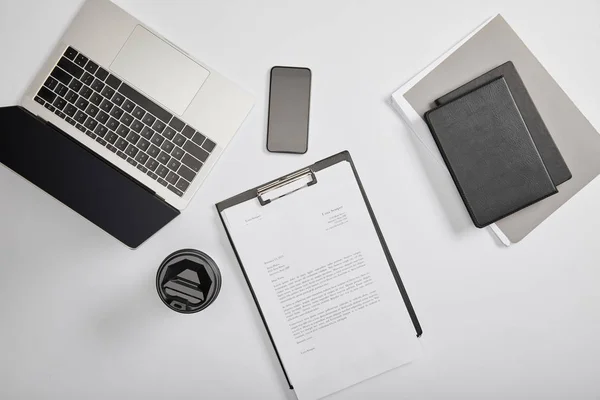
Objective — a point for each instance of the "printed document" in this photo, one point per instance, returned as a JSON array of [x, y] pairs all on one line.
[[318, 270]]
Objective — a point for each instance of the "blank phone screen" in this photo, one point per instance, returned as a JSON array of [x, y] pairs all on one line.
[[289, 106]]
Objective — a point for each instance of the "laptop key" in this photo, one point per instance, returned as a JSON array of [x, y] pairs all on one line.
[[47, 94], [39, 100], [142, 168], [147, 133], [182, 185], [112, 124], [175, 190], [162, 171], [152, 175], [102, 117], [61, 76], [198, 138], [177, 153], [169, 133], [70, 67], [51, 83], [163, 158], [142, 157], [118, 99], [70, 110], [191, 162], [167, 146], [121, 144], [97, 85], [75, 85], [108, 92], [60, 103], [131, 150], [70, 53], [60, 114], [92, 110], [122, 131], [152, 164], [50, 107], [87, 78], [196, 151], [133, 137], [157, 139], [101, 73], [179, 140], [91, 67], [163, 182], [101, 141], [91, 134], [173, 164], [138, 112], [143, 144], [71, 96], [86, 92], [96, 99], [159, 126], [137, 126], [71, 121], [90, 123], [126, 119], [153, 150], [106, 105], [81, 60], [128, 106], [82, 103], [186, 173], [148, 119], [101, 130], [80, 117], [121, 154], [62, 90], [111, 148], [111, 137], [80, 127], [172, 178], [188, 132], [116, 112], [177, 124], [113, 81]]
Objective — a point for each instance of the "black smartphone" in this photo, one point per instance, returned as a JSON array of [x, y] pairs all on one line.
[[289, 109]]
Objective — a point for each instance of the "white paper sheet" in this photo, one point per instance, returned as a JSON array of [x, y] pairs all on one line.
[[321, 277]]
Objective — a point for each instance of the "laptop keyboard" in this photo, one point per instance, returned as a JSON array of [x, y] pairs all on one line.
[[126, 122]]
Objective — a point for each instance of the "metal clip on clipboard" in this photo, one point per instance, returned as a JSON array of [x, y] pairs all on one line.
[[286, 185]]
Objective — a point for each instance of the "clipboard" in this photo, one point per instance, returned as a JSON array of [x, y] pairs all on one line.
[[288, 185]]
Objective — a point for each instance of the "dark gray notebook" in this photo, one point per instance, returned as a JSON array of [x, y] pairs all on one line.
[[555, 164], [490, 153]]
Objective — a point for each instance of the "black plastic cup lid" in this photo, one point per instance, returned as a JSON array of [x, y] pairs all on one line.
[[188, 281]]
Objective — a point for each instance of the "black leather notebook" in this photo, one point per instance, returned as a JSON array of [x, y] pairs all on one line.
[[490, 153], [555, 164]]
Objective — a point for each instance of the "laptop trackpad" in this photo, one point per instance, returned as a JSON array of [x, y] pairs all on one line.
[[159, 70]]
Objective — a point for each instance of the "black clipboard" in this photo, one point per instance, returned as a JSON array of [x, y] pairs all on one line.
[[260, 191]]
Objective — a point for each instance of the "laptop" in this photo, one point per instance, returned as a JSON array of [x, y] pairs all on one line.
[[121, 125]]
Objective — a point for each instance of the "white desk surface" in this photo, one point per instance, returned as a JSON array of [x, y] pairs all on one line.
[[80, 318]]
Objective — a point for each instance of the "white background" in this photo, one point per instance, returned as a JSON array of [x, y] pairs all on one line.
[[79, 314]]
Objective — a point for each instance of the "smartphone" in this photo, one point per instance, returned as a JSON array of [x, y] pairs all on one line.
[[289, 109]]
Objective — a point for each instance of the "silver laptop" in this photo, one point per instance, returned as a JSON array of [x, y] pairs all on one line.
[[137, 101]]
